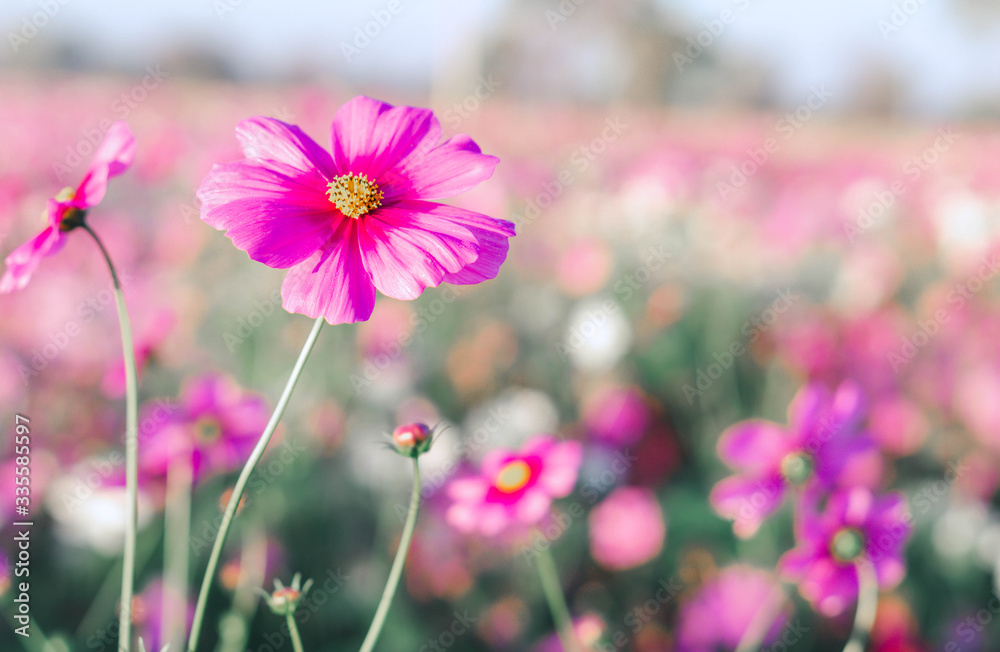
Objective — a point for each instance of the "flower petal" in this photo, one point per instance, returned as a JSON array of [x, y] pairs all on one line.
[[451, 168], [753, 445], [267, 139], [747, 501], [561, 468], [331, 283], [492, 238], [275, 213], [407, 248], [23, 261], [371, 137], [113, 156]]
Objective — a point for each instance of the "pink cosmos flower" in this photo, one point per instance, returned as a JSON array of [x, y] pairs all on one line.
[[627, 529], [726, 606], [822, 445], [148, 613], [855, 526], [359, 219], [515, 487], [68, 209], [214, 425]]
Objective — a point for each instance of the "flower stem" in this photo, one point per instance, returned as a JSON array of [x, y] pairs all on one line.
[[241, 483], [131, 454], [177, 517], [294, 632], [864, 616], [397, 565], [557, 602]]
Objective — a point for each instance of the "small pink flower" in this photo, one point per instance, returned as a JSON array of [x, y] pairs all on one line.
[[627, 529], [726, 606], [515, 487], [68, 209], [214, 425], [855, 526], [358, 220]]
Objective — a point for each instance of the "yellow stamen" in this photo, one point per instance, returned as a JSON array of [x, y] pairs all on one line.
[[513, 476], [354, 195]]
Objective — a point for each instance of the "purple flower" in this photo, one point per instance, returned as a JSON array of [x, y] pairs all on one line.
[[822, 445], [855, 526], [726, 606]]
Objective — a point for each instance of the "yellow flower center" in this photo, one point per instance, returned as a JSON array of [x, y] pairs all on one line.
[[513, 476], [72, 217], [354, 195], [207, 430]]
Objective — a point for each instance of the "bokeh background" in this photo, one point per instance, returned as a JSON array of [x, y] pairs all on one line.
[[815, 182]]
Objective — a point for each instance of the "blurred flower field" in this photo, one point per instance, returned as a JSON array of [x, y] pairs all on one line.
[[675, 276]]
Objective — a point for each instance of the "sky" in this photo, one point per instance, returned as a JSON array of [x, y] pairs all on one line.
[[945, 59]]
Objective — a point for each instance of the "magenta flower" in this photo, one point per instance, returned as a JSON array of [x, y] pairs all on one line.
[[148, 610], [726, 606], [822, 445], [855, 526], [68, 209], [515, 487], [627, 529], [358, 220], [214, 426]]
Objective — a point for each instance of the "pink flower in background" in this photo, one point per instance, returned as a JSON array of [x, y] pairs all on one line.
[[214, 425], [588, 628], [726, 606], [358, 220], [616, 415], [68, 209], [627, 529], [515, 487], [148, 611], [855, 526], [822, 445]]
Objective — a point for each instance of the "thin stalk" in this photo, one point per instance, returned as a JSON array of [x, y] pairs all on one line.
[[557, 602], [294, 632], [864, 615], [177, 516], [131, 454], [241, 483], [36, 640], [371, 638]]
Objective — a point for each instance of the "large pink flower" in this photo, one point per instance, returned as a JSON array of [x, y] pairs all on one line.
[[359, 219], [515, 487], [67, 210]]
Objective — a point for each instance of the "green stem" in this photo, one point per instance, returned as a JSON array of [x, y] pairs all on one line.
[[557, 602], [397, 565], [294, 632], [177, 517], [864, 615], [131, 454], [241, 483]]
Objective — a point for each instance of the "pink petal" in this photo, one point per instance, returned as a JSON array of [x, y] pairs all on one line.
[[467, 489], [408, 247], [23, 261], [753, 446], [532, 507], [492, 236], [451, 168], [371, 137], [113, 156], [561, 468], [747, 501], [267, 139], [462, 517], [332, 283], [278, 215]]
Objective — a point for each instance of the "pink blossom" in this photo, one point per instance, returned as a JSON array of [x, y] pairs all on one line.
[[855, 526], [616, 415], [726, 606], [214, 426], [515, 487], [358, 220], [627, 529], [68, 209]]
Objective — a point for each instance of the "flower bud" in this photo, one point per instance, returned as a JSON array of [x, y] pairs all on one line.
[[412, 439], [284, 600]]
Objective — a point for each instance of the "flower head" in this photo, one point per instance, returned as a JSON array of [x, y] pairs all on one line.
[[854, 527], [412, 439], [627, 529], [725, 607], [358, 219], [515, 487], [284, 600], [68, 209], [822, 445], [215, 424]]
